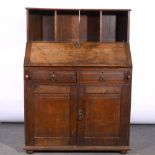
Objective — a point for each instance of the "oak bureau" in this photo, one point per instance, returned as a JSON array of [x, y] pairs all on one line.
[[77, 80]]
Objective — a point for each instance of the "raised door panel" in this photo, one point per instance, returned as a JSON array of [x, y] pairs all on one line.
[[53, 114], [99, 115]]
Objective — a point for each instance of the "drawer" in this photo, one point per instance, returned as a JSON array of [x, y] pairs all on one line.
[[53, 76], [101, 76]]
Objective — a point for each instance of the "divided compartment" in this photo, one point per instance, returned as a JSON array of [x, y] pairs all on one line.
[[78, 25], [90, 25], [114, 26], [67, 25], [41, 25]]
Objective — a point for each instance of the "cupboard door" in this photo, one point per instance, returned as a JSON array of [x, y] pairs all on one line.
[[53, 114], [99, 115]]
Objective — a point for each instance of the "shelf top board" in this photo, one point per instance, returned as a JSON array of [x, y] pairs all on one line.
[[70, 54], [41, 9]]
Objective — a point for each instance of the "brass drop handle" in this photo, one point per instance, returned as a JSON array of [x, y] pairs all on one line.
[[101, 78], [80, 114], [27, 76], [77, 45], [53, 77]]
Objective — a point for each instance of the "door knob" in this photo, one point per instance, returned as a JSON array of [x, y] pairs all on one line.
[[27, 76], [128, 76]]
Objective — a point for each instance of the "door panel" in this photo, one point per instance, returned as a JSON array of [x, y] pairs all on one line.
[[54, 113], [101, 115], [51, 111]]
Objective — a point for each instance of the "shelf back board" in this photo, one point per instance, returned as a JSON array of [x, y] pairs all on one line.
[[41, 25], [67, 25], [89, 25]]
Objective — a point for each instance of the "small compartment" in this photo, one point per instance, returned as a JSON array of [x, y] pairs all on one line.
[[90, 25], [114, 26], [67, 25], [41, 25]]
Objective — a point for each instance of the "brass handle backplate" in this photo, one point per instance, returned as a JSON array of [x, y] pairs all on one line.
[[53, 77], [77, 45], [80, 114], [101, 78]]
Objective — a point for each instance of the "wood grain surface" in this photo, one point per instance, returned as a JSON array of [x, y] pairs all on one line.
[[77, 86], [89, 54]]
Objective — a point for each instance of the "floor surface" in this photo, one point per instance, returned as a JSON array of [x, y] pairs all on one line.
[[142, 141]]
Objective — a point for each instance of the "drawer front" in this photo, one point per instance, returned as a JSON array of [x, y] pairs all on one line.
[[101, 76], [53, 76]]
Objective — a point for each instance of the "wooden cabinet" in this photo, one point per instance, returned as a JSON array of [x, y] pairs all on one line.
[[77, 80]]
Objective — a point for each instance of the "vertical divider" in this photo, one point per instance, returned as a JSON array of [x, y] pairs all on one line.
[[41, 18], [101, 29], [28, 24], [128, 29], [79, 25], [55, 25]]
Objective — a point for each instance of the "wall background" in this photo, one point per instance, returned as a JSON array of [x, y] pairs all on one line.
[[12, 48]]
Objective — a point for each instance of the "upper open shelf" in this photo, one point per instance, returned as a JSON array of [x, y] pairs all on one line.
[[58, 25]]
